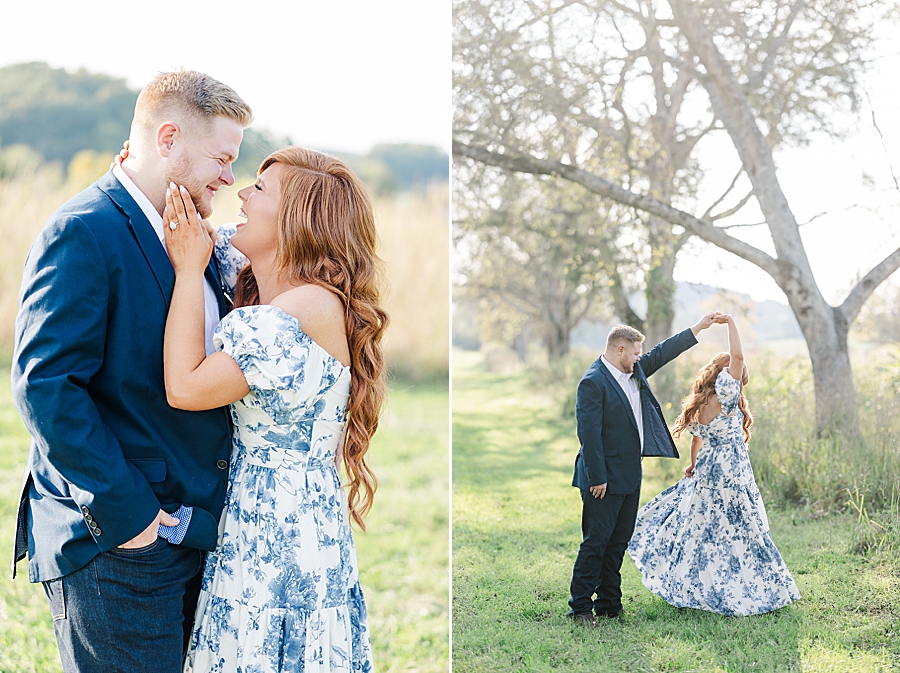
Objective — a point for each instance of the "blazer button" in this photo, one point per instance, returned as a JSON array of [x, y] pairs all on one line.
[[222, 464], [85, 510], [97, 532], [88, 518]]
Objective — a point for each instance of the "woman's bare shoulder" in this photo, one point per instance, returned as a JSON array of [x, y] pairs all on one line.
[[310, 302], [321, 316]]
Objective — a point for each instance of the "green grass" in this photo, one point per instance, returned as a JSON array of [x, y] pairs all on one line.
[[403, 558], [516, 531]]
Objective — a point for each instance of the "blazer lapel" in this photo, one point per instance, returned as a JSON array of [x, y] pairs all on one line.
[[621, 393], [212, 277], [143, 232], [639, 375]]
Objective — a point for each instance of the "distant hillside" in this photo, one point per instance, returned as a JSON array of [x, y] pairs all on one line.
[[57, 114], [760, 321], [413, 165]]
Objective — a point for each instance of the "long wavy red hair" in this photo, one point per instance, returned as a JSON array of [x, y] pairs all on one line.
[[327, 237], [703, 389]]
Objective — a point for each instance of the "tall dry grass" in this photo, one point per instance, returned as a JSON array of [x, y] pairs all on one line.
[[413, 226], [415, 238], [26, 201]]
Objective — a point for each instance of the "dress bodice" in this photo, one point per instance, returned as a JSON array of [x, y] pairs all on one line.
[[297, 404], [723, 459]]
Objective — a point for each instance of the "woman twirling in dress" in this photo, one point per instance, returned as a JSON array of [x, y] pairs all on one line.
[[300, 363], [705, 542]]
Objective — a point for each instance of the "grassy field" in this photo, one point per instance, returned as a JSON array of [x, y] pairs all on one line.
[[516, 531], [403, 558]]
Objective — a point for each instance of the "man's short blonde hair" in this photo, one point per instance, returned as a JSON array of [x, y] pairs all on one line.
[[188, 95], [621, 334]]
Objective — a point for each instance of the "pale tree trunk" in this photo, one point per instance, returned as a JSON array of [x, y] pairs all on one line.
[[666, 158], [556, 331], [557, 310], [826, 337], [660, 282], [827, 340], [556, 341], [660, 293]]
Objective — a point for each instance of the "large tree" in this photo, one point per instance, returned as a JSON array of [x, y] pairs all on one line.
[[526, 77], [542, 250], [763, 73]]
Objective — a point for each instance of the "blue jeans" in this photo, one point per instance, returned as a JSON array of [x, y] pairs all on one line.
[[607, 526], [128, 610]]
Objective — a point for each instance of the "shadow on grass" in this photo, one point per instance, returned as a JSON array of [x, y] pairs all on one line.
[[500, 460]]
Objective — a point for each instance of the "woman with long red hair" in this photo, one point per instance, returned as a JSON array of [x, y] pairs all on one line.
[[299, 361], [705, 542]]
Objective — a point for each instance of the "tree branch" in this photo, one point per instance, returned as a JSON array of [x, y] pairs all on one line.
[[866, 286], [883, 146], [731, 211], [725, 193], [772, 51], [704, 229]]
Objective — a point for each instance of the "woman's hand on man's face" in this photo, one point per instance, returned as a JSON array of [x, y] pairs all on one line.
[[121, 156], [189, 240]]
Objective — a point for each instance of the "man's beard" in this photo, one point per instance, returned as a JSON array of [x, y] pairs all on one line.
[[182, 174]]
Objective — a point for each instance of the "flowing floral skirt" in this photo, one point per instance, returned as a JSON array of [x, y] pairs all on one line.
[[711, 549]]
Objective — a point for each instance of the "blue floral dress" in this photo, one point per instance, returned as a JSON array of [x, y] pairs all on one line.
[[281, 590], [705, 543]]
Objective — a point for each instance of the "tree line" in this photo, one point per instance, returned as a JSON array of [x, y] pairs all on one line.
[[58, 114]]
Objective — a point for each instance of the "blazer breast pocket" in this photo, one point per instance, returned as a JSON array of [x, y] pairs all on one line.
[[153, 469]]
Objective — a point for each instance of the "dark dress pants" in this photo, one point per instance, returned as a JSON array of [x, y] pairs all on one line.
[[128, 610], [607, 525]]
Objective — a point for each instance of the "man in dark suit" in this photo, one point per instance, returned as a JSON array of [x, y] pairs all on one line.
[[122, 492], [619, 421]]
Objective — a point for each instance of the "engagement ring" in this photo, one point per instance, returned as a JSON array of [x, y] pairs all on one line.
[[173, 226]]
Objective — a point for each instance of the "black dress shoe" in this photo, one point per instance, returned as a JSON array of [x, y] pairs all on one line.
[[613, 615]]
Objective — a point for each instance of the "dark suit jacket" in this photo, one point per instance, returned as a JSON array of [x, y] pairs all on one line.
[[107, 450], [610, 450]]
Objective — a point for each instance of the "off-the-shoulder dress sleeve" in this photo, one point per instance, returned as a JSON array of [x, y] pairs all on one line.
[[286, 370], [728, 390], [230, 259]]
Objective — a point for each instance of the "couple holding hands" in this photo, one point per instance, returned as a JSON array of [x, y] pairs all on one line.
[[703, 543]]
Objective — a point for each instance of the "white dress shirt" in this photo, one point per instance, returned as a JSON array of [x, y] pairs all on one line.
[[209, 296], [632, 391]]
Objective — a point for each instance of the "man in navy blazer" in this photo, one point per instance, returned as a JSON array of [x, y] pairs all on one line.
[[122, 492], [619, 422]]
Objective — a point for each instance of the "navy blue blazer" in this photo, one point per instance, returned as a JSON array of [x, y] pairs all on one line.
[[610, 450], [107, 450]]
